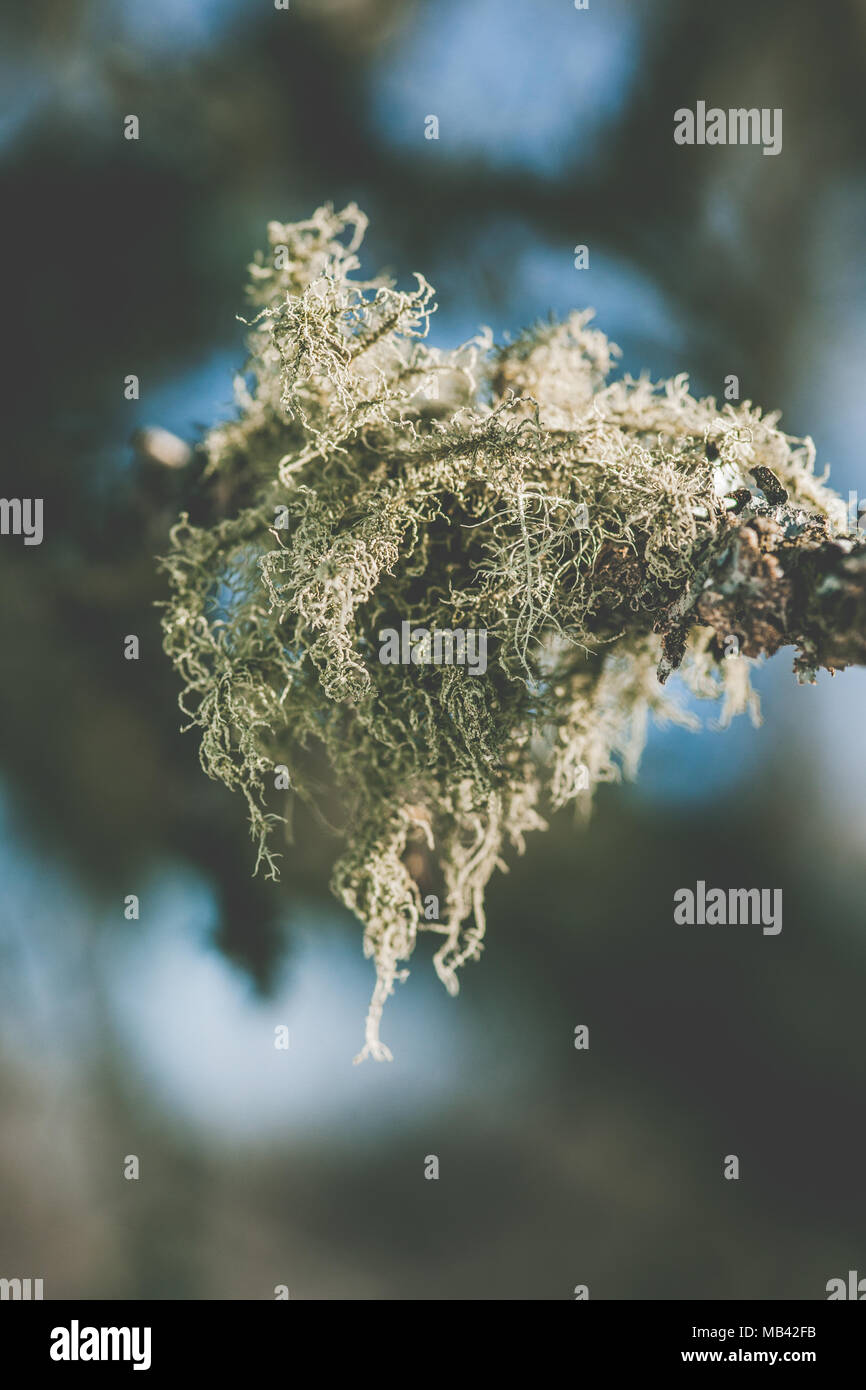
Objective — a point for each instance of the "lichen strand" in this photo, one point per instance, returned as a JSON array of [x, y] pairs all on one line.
[[369, 479]]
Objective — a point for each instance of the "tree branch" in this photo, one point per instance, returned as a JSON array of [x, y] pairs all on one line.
[[780, 578]]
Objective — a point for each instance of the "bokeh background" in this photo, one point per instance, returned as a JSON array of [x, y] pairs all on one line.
[[155, 1037]]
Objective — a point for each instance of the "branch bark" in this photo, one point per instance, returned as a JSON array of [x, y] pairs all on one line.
[[781, 578]]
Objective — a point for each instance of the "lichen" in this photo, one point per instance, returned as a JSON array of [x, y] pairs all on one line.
[[368, 480]]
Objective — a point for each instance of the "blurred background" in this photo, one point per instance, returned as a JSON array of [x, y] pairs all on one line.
[[156, 1037]]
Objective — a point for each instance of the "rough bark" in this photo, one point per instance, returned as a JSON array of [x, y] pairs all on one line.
[[780, 579]]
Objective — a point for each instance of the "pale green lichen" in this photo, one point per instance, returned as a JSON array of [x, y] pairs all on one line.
[[369, 479]]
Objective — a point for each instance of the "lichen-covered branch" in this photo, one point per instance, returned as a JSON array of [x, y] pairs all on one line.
[[597, 533], [785, 580]]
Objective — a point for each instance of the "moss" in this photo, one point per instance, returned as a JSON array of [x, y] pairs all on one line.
[[515, 490]]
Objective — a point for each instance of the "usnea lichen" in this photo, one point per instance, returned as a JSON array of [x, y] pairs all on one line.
[[369, 480]]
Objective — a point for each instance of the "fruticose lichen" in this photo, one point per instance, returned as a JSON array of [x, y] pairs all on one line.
[[370, 480]]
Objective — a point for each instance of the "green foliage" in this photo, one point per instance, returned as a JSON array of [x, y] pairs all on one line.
[[514, 490]]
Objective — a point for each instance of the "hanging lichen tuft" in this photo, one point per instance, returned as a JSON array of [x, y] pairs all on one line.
[[392, 513]]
